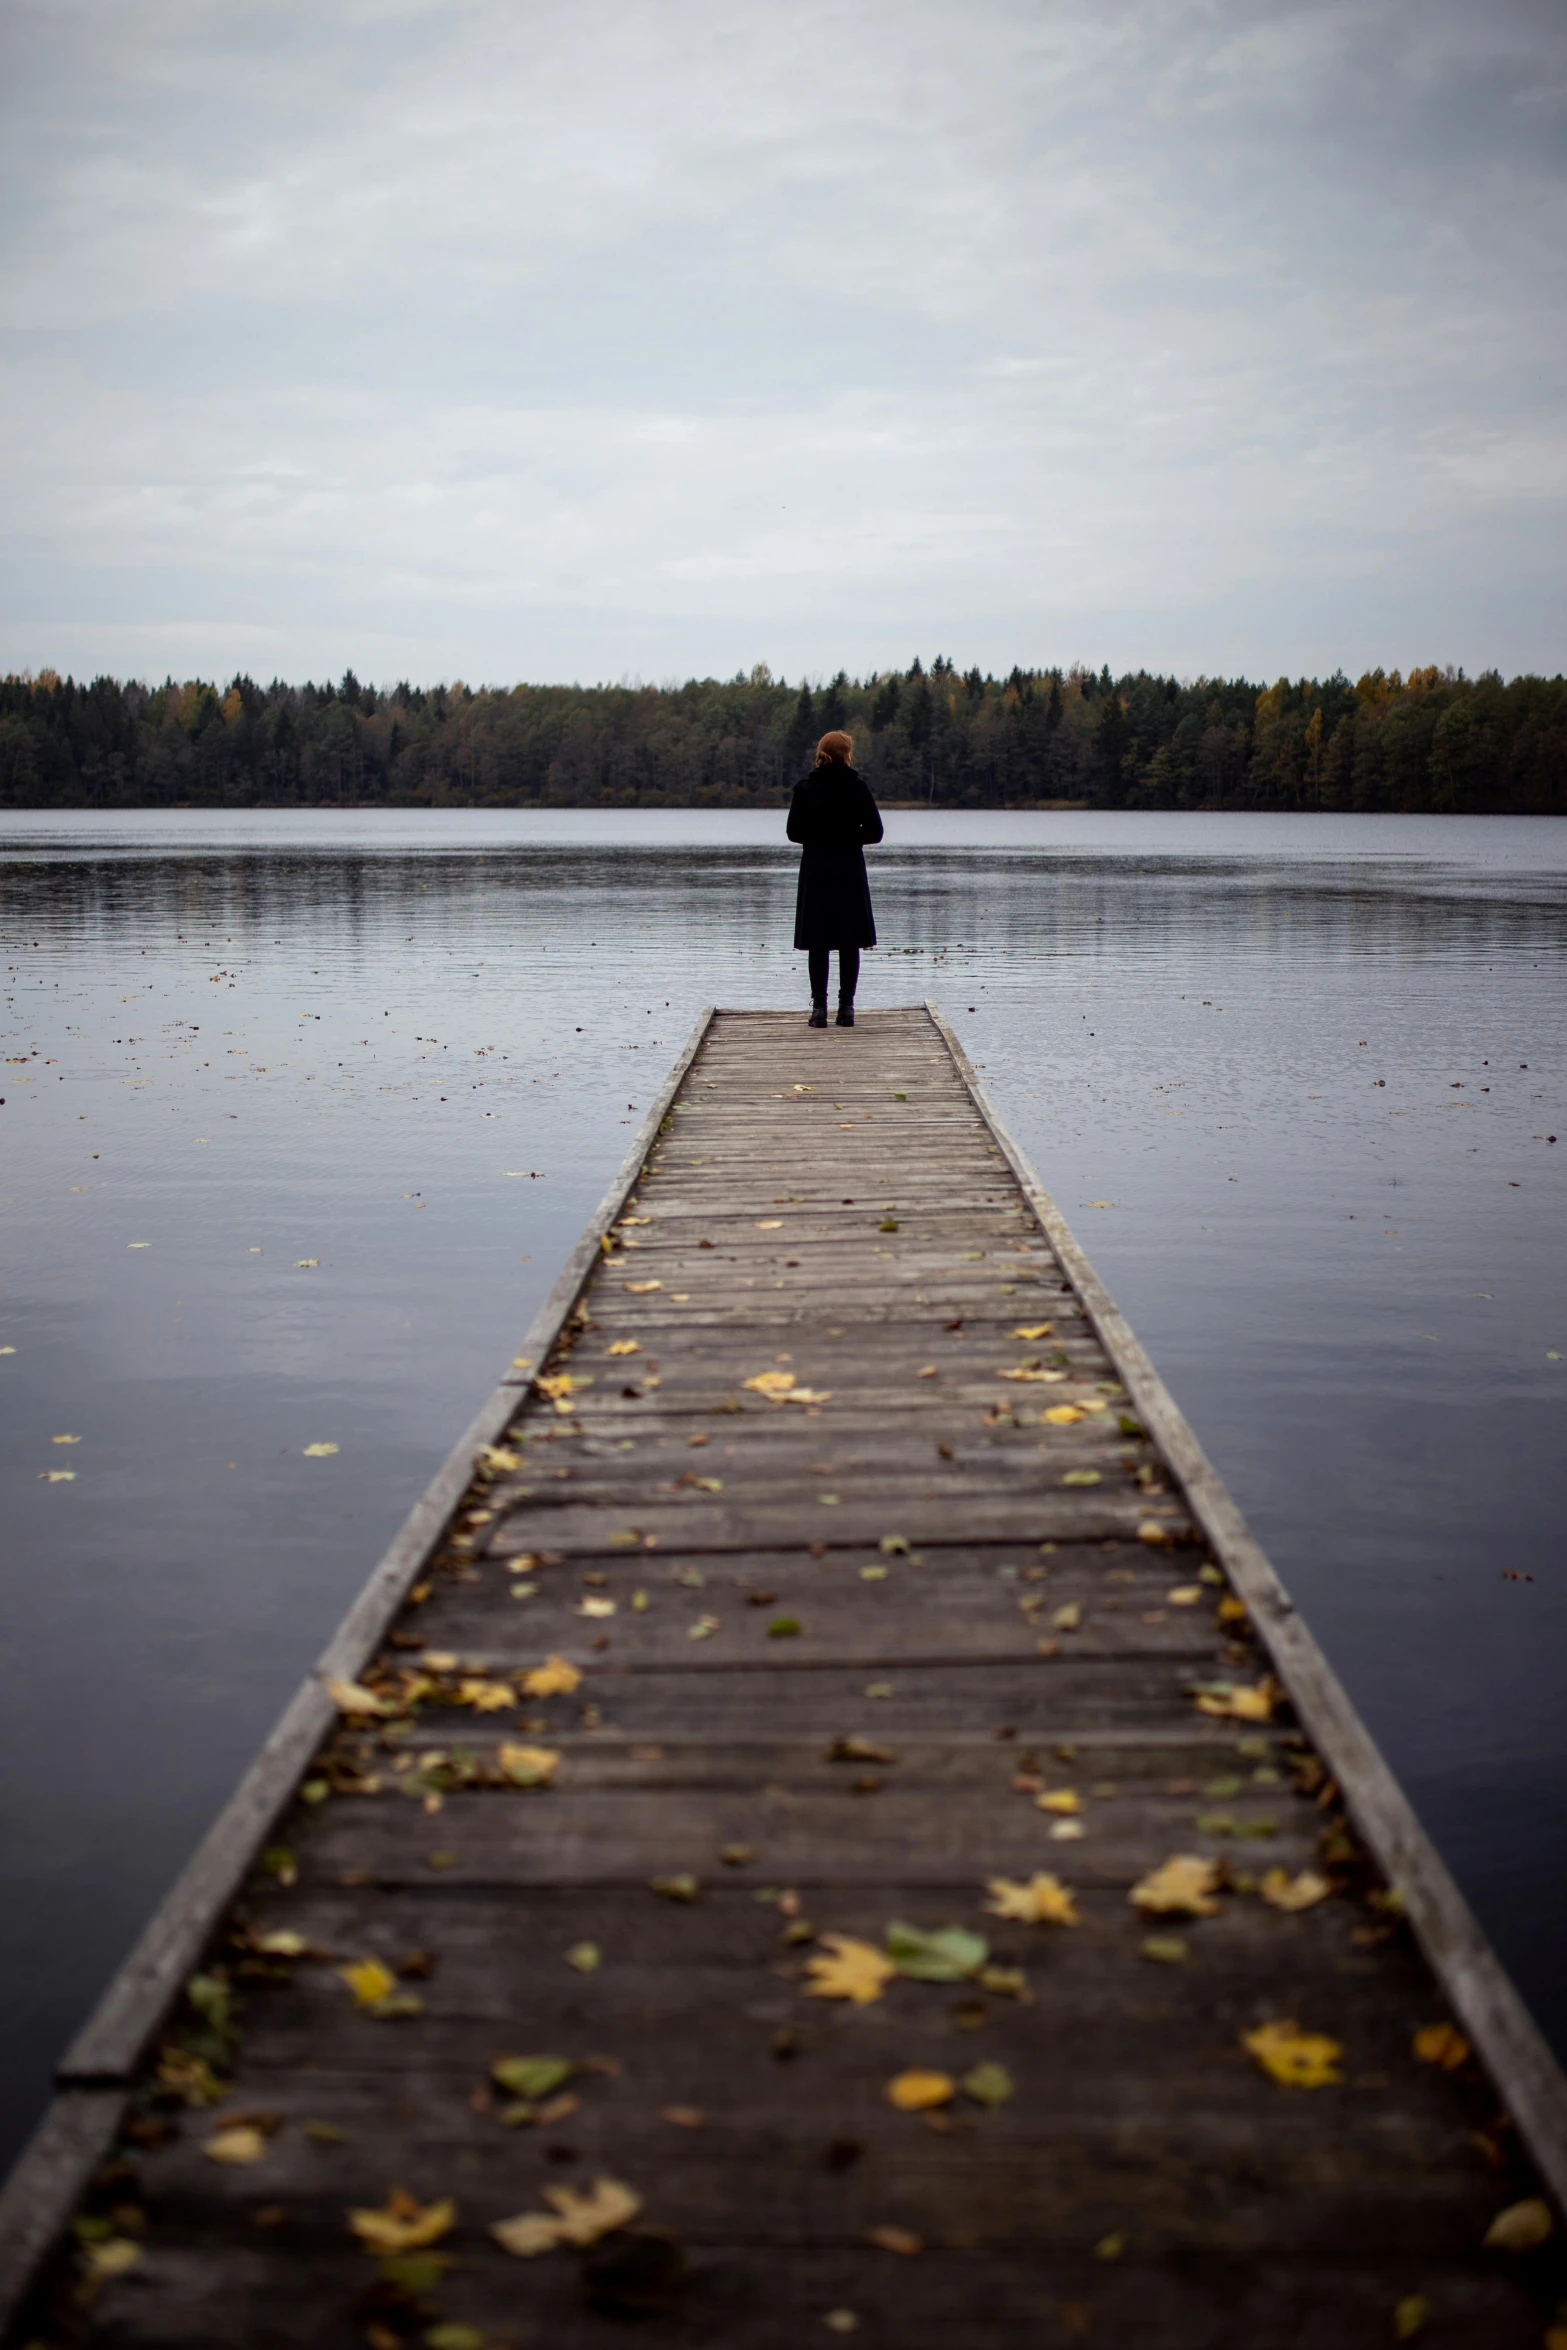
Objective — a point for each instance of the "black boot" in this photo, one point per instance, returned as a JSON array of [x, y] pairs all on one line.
[[818, 1018], [845, 1012]]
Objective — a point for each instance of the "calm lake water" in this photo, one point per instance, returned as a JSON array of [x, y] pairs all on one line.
[[1292, 1080]]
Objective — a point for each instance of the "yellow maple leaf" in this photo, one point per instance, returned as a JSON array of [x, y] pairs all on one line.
[[771, 1383], [556, 1383], [529, 1766], [1282, 1891], [1442, 2044], [1293, 2058], [551, 1679], [623, 1346], [1184, 1883], [809, 1395], [402, 2224], [319, 1452], [641, 1288], [350, 1697], [586, 2217], [486, 1697], [1034, 1330], [369, 1981], [1030, 1378], [1037, 1901], [1063, 1415], [919, 2092], [1062, 1799], [1240, 1704], [576, 2219], [849, 1970]]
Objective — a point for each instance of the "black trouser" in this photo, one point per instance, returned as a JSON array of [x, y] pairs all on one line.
[[848, 973]]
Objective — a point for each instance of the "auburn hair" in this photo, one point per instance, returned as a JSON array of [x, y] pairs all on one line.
[[835, 749]]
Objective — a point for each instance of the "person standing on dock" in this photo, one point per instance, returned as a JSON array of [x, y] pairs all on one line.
[[833, 817]]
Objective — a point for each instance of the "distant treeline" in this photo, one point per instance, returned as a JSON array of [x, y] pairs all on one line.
[[1435, 740]]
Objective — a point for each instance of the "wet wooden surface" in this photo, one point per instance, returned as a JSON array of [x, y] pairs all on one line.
[[830, 1655]]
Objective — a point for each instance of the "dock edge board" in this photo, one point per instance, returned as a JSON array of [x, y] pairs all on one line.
[[1508, 2041], [93, 2077]]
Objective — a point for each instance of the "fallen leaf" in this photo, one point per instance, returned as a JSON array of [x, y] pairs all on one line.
[[239, 2143], [65, 1440], [402, 2224], [1293, 2058], [498, 1459], [1034, 1330], [1068, 1618], [894, 1545], [190, 2078], [551, 1679], [643, 1288], [1184, 1595], [283, 1943], [1037, 1901], [920, 2092], [770, 1224], [841, 2321], [1282, 1891], [585, 1957], [301, 1264], [948, 1955], [849, 1969], [887, 2239], [1063, 1415], [771, 1383], [1184, 1883], [594, 1605], [1164, 1949], [1237, 1703], [1442, 2044], [1082, 1477], [532, 2077], [857, 1749], [486, 1697], [684, 1887], [115, 2254], [624, 1346], [1411, 2314], [577, 2218], [1110, 2247], [987, 2084], [319, 1452], [1062, 1799], [350, 1698], [784, 1627], [529, 1766], [57, 1476], [684, 2117], [369, 1981], [1521, 2226]]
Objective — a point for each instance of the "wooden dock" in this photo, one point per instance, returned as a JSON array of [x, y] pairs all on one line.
[[824, 1824]]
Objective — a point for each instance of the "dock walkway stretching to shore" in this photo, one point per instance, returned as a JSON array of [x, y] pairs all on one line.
[[824, 1823]]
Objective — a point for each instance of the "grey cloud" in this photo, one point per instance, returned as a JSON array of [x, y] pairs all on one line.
[[587, 338]]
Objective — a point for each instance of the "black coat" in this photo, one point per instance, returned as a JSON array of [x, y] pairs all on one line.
[[832, 815]]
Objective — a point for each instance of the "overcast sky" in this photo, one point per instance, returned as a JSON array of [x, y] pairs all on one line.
[[591, 338]]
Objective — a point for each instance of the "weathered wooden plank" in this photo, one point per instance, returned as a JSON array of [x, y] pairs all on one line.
[[1521, 2063], [1249, 2213]]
